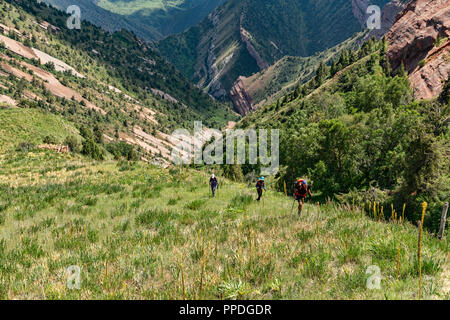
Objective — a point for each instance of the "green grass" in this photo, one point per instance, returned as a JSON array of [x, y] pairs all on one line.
[[130, 230], [29, 125], [130, 7]]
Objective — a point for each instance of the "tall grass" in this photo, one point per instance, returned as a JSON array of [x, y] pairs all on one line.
[[130, 245]]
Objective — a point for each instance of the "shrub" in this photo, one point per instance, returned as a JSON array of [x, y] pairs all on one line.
[[122, 150], [195, 205], [50, 140], [422, 63], [93, 150], [73, 143], [241, 201], [25, 146]]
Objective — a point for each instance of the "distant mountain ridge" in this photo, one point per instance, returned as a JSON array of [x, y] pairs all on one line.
[[149, 19]]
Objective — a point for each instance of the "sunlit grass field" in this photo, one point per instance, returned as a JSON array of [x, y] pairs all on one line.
[[130, 7], [142, 232]]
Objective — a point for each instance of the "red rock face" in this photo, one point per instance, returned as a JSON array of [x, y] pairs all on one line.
[[420, 39], [241, 100]]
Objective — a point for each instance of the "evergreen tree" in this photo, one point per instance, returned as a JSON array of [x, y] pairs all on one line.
[[321, 74]]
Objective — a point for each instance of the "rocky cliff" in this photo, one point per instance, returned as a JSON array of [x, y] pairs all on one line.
[[419, 40], [388, 17], [241, 100]]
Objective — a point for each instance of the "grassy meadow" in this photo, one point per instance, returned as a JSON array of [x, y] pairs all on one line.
[[141, 232], [32, 126]]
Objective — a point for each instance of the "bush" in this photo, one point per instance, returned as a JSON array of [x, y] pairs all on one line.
[[195, 205], [241, 201], [50, 140], [25, 146], [73, 143], [50, 66], [122, 150], [422, 63], [93, 150]]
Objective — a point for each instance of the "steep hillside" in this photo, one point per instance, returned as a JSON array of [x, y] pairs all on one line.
[[31, 126], [149, 19], [420, 40], [129, 59], [244, 37], [110, 83]]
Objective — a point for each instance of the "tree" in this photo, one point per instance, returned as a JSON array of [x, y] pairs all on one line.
[[333, 69], [321, 74], [98, 134], [91, 149], [73, 143], [444, 97], [345, 58]]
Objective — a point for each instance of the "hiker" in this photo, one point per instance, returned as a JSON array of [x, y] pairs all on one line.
[[214, 184], [260, 185], [302, 189]]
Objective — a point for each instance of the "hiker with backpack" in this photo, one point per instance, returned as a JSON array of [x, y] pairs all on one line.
[[260, 186], [302, 189], [213, 184]]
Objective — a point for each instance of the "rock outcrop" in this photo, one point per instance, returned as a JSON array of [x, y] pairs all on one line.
[[419, 40], [388, 17], [241, 100], [54, 147]]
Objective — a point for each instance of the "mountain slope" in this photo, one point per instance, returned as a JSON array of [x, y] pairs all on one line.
[[149, 19], [243, 37], [111, 84], [31, 126], [131, 60], [107, 20], [268, 85]]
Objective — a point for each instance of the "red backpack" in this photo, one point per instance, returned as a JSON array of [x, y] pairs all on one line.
[[299, 186]]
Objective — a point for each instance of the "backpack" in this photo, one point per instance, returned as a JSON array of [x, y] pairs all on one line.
[[299, 186]]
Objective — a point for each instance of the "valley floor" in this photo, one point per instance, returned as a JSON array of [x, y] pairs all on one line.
[[135, 231]]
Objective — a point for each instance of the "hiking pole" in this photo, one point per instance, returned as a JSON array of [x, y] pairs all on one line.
[[263, 196], [293, 203]]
